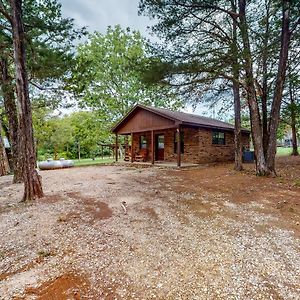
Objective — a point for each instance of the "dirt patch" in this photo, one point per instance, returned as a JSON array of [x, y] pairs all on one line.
[[51, 199], [243, 187], [278, 196], [97, 210], [73, 195], [150, 211], [65, 287]]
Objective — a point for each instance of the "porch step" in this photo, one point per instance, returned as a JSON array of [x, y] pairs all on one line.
[[139, 158], [127, 157]]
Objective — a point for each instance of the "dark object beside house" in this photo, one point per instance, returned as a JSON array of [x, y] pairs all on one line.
[[248, 156], [159, 134]]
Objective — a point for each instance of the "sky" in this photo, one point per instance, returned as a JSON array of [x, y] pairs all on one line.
[[98, 14]]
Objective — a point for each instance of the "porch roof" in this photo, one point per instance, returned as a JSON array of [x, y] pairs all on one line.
[[177, 118]]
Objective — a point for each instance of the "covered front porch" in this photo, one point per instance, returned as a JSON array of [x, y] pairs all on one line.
[[158, 146], [153, 136]]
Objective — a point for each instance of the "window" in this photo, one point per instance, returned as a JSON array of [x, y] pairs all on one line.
[[143, 142], [161, 141], [181, 142], [218, 138]]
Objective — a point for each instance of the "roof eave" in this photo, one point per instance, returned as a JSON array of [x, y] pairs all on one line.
[[213, 127]]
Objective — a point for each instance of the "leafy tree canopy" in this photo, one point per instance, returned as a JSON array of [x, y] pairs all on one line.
[[107, 76], [60, 136]]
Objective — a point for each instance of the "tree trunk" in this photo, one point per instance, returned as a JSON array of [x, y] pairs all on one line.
[[264, 96], [32, 181], [238, 163], [261, 166], [79, 154], [293, 121], [265, 131], [7, 88], [238, 166], [280, 79], [294, 138], [4, 165]]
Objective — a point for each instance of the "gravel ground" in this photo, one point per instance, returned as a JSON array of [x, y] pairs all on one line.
[[178, 240]]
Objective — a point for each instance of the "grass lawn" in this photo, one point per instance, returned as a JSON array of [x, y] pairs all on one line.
[[89, 161], [283, 151]]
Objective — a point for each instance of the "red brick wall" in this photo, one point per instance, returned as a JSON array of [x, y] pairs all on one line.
[[198, 147], [136, 143]]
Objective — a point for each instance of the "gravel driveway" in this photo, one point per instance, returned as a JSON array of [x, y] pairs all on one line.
[[180, 238]]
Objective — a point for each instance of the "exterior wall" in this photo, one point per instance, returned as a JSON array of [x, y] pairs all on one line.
[[198, 147], [136, 143], [144, 120]]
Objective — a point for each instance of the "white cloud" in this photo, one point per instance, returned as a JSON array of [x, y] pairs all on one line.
[[98, 14]]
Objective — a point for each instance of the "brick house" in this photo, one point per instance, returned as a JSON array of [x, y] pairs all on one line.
[[155, 133]]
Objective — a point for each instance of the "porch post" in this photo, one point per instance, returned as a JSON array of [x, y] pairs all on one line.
[[132, 147], [116, 147], [178, 147], [152, 147]]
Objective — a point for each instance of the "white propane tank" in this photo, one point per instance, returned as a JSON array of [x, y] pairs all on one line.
[[51, 164]]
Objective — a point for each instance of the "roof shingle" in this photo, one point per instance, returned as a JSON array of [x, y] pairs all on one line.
[[192, 119]]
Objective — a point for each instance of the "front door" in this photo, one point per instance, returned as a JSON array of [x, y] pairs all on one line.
[[159, 147]]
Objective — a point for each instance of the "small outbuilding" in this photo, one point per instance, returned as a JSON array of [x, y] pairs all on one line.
[[162, 135]]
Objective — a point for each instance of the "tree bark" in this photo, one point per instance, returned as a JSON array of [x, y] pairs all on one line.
[[238, 157], [293, 122], [4, 165], [294, 137], [264, 96], [7, 88], [261, 165], [32, 181], [238, 164], [280, 79]]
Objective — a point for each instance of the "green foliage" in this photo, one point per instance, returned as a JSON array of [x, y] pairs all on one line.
[[88, 130], [50, 40], [107, 75], [49, 45], [290, 111], [60, 136], [195, 52]]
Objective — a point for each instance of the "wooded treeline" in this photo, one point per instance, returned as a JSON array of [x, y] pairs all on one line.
[[36, 44], [251, 47]]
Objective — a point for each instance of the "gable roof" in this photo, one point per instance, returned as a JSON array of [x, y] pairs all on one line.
[[180, 117]]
